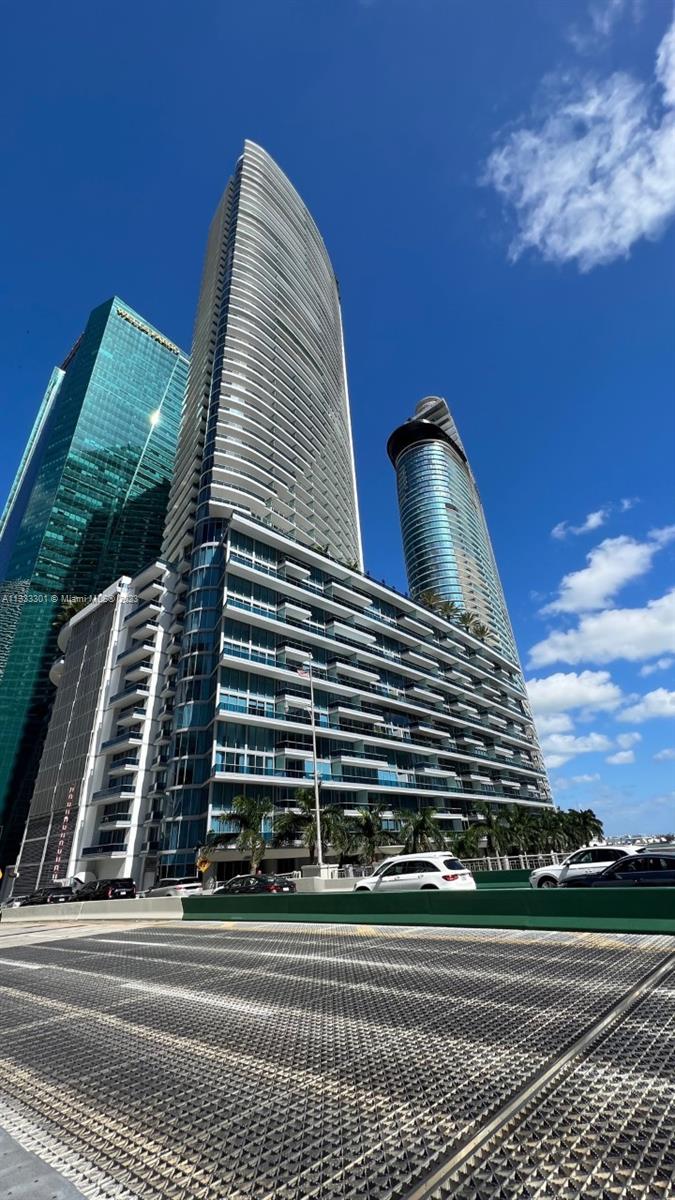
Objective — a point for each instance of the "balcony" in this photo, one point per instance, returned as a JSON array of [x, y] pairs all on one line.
[[293, 570], [131, 716], [110, 850], [124, 765], [148, 610], [412, 625], [424, 695], [123, 741], [135, 653], [293, 612], [117, 791], [294, 654], [415, 659], [338, 666], [346, 595], [349, 633], [134, 691]]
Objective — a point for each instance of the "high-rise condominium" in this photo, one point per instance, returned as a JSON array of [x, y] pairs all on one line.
[[88, 503], [267, 427], [260, 658], [446, 543]]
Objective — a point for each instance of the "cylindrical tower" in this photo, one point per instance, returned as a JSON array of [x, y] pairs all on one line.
[[446, 543]]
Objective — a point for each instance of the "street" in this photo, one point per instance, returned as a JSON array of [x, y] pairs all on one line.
[[190, 1062]]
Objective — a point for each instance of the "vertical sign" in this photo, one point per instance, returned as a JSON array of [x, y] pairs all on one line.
[[63, 832]]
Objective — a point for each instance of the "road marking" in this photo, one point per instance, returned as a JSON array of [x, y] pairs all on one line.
[[15, 962]]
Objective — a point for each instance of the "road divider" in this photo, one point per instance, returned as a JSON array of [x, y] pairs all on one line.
[[616, 910]]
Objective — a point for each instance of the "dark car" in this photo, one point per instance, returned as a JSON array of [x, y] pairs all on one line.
[[106, 889], [48, 895], [645, 869], [248, 884]]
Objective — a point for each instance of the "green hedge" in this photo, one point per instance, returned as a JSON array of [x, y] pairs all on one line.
[[617, 910]]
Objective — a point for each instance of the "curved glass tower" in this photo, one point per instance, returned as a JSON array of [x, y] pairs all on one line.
[[266, 429], [446, 543]]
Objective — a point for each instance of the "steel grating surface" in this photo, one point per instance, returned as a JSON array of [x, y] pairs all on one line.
[[605, 1131], [291, 1063]]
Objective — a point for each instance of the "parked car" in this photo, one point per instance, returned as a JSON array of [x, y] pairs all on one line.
[[106, 889], [645, 869], [437, 871], [586, 861], [246, 885], [187, 886], [46, 895]]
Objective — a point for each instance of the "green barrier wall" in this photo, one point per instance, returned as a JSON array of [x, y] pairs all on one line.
[[616, 910], [501, 879]]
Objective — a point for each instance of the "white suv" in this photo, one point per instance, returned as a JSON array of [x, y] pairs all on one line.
[[587, 861], [437, 871]]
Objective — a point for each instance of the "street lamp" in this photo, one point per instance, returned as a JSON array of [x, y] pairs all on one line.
[[317, 806]]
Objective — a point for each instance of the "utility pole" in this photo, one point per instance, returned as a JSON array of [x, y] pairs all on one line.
[[317, 805]]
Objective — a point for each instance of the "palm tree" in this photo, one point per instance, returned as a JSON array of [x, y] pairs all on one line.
[[494, 828], [430, 599], [371, 833], [583, 826], [299, 822], [481, 631], [449, 610], [523, 830], [467, 620], [419, 831], [67, 611], [344, 835], [553, 832], [250, 812], [467, 843]]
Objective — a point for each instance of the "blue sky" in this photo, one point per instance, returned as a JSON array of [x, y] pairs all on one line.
[[496, 187]]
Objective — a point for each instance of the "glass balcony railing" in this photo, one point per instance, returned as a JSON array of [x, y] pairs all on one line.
[[360, 782]]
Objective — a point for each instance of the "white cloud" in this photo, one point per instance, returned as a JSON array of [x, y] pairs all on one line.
[[666, 755], [661, 664], [611, 565], [593, 520], [571, 689], [603, 18], [563, 783], [659, 703], [596, 171], [559, 748], [553, 723], [621, 758], [626, 740], [629, 633]]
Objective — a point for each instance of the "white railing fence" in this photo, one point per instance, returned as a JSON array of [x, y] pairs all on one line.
[[512, 862]]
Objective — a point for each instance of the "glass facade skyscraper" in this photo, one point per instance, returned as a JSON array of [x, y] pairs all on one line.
[[88, 504], [446, 543], [206, 693]]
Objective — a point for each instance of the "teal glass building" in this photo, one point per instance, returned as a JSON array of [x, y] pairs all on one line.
[[87, 505], [446, 543]]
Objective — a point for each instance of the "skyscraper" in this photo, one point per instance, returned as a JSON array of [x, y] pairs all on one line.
[[260, 657], [263, 530], [267, 426], [87, 505], [446, 543]]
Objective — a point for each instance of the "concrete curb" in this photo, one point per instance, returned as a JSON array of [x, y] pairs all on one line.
[[163, 908]]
